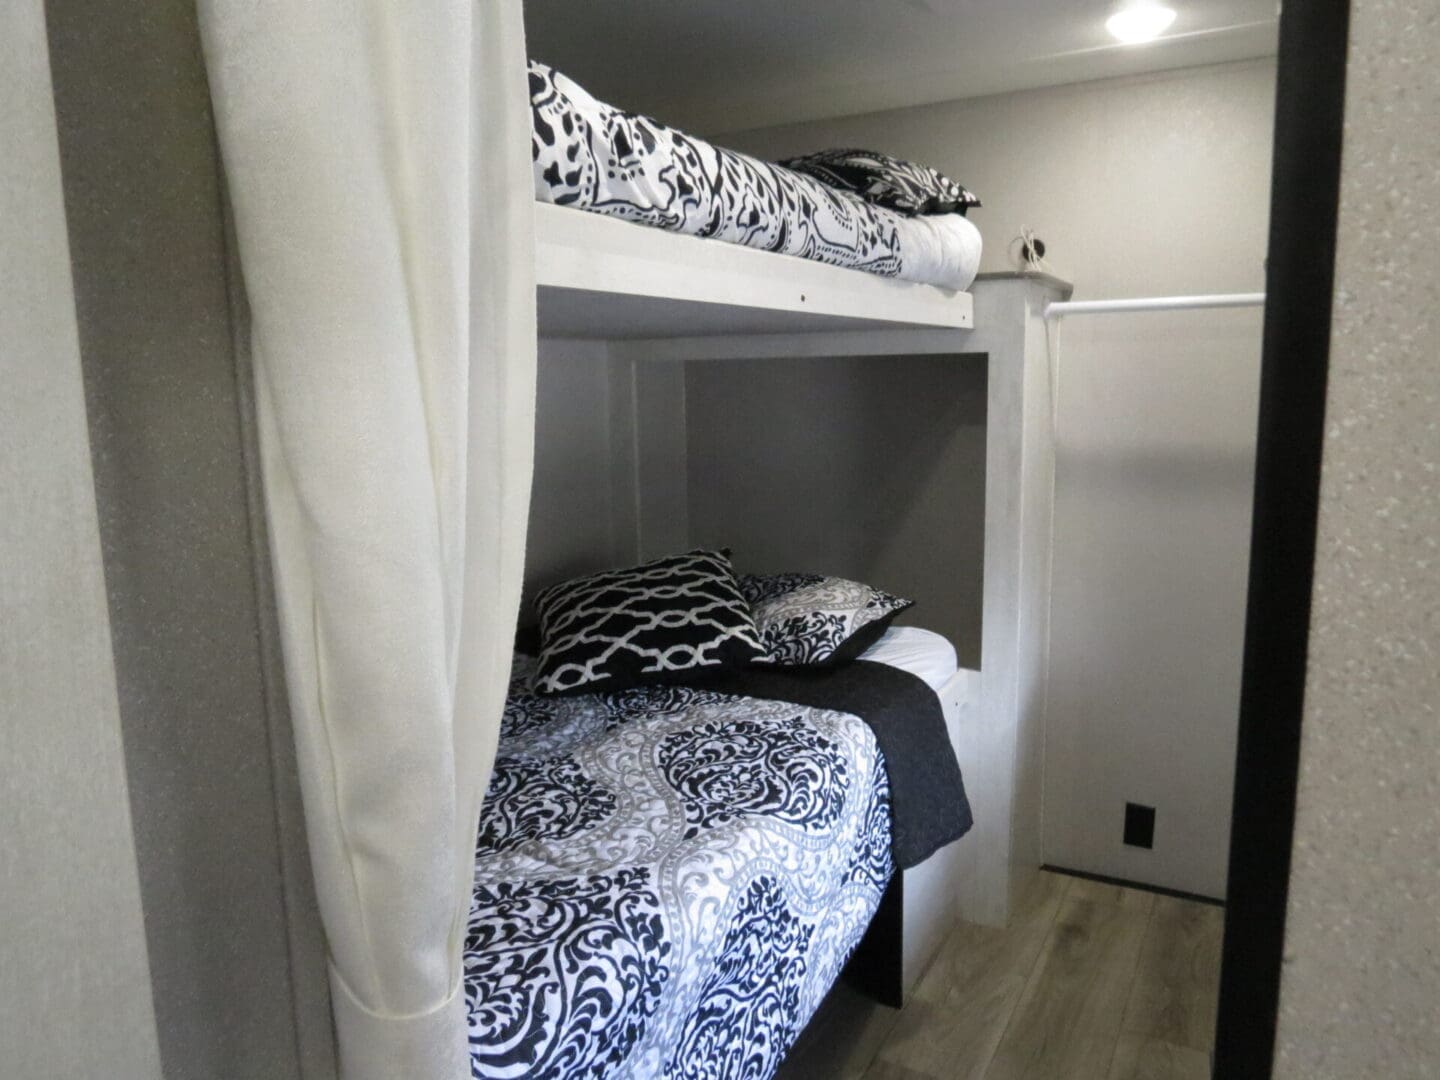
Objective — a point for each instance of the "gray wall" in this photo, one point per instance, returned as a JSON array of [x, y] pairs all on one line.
[[236, 954], [610, 463], [577, 504], [74, 979], [1140, 186], [1361, 984], [870, 468]]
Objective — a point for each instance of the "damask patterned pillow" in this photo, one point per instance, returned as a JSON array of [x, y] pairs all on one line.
[[810, 620], [677, 616], [886, 181]]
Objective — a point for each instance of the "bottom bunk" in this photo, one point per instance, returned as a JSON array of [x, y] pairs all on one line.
[[669, 879]]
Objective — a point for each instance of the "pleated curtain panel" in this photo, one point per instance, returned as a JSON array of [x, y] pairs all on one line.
[[377, 156]]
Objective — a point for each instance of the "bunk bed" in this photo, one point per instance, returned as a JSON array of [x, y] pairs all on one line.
[[653, 297]]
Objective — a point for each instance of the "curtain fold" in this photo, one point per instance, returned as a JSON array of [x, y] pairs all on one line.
[[378, 165]]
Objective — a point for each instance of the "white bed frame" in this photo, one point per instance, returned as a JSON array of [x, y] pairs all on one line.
[[603, 277], [657, 297]]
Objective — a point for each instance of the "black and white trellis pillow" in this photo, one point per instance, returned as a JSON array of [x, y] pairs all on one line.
[[809, 620], [885, 181], [654, 623]]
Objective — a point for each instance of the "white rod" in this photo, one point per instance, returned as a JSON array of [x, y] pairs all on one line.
[[1153, 303]]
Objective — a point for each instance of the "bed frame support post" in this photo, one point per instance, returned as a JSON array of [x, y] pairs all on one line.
[[876, 968], [1002, 737]]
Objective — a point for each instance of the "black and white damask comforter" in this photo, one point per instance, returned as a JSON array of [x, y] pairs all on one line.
[[592, 156], [668, 880]]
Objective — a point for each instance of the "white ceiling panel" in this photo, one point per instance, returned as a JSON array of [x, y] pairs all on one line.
[[727, 65]]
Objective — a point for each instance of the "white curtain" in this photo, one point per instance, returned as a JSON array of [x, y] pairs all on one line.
[[378, 163]]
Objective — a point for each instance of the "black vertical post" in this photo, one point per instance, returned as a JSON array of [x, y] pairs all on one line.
[[1304, 198]]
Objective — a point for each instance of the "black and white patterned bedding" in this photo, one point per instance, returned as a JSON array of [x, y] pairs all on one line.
[[592, 156], [657, 622], [667, 881], [816, 619]]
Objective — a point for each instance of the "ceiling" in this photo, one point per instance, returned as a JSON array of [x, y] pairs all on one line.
[[727, 65]]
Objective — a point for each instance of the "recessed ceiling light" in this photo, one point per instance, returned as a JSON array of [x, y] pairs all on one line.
[[1139, 22]]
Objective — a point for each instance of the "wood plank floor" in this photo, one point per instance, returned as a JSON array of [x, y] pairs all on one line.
[[1088, 982]]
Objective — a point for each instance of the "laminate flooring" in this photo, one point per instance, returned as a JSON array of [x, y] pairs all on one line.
[[1088, 982]]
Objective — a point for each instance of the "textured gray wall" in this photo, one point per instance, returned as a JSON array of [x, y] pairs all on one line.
[[74, 982], [234, 945], [1361, 989]]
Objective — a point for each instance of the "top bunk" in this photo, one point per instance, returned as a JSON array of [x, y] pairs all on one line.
[[644, 232], [601, 277]]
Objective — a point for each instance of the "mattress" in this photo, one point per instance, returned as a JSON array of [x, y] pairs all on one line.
[[922, 653], [592, 156], [668, 880]]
